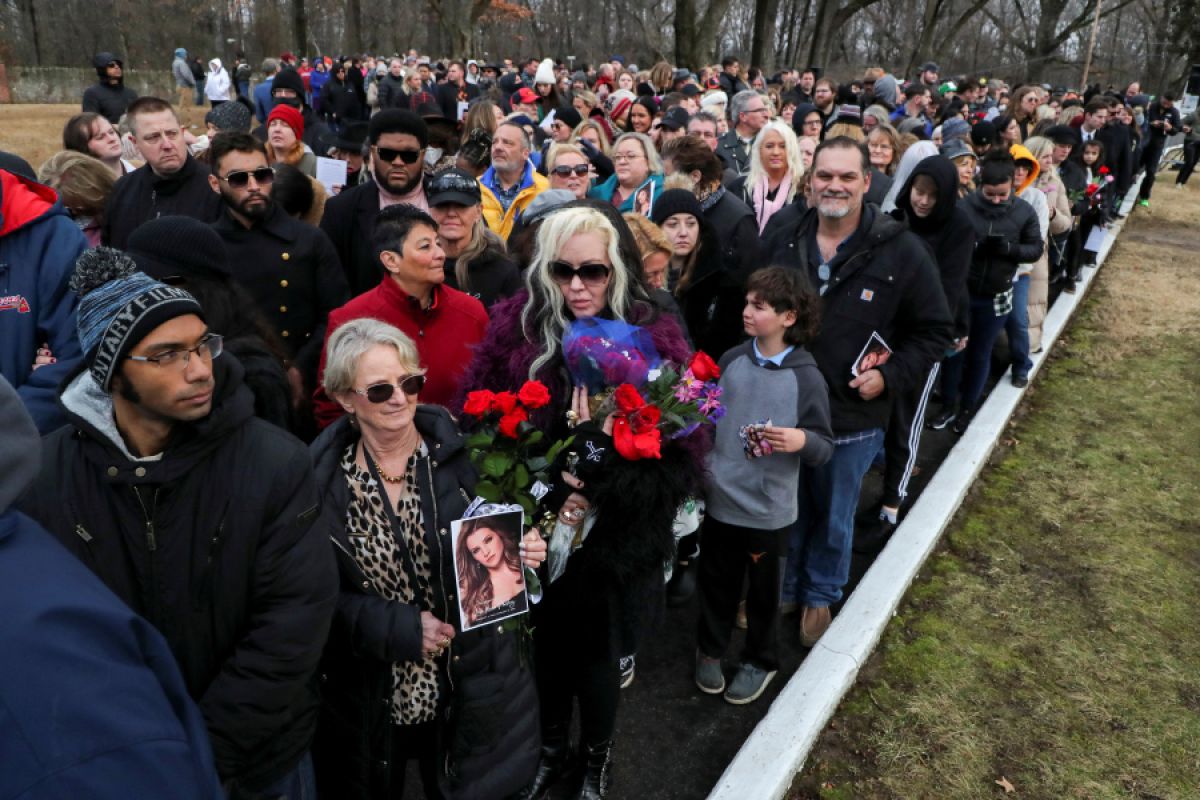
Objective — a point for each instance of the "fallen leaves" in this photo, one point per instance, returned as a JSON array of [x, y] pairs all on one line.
[[1005, 785]]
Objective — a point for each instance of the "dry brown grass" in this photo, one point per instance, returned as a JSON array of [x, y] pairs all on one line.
[[34, 132]]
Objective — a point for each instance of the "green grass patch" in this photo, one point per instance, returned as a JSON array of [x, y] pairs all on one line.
[[1053, 639]]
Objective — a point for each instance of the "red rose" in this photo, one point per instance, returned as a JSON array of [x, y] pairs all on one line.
[[628, 398], [511, 421], [703, 367], [1104, 170], [645, 419], [533, 394], [634, 446], [504, 402], [479, 403]]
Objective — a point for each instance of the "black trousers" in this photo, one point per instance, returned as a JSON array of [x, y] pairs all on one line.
[[730, 554], [415, 742], [1150, 158], [1191, 152], [903, 438]]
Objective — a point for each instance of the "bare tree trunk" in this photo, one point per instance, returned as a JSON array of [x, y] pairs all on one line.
[[765, 13], [300, 24]]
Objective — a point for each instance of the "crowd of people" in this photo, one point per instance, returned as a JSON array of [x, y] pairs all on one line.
[[250, 388]]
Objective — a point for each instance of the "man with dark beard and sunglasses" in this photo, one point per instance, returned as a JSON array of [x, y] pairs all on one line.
[[877, 280], [398, 140], [290, 269]]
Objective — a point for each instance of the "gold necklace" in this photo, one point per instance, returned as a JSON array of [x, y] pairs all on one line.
[[379, 467]]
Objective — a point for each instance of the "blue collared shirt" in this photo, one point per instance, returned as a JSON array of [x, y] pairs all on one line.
[[776, 359], [507, 197]]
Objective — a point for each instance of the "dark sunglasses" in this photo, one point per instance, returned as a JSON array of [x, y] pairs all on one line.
[[263, 176], [388, 155], [563, 273], [382, 392], [564, 170]]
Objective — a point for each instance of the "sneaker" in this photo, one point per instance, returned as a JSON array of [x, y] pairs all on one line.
[[813, 624], [748, 684], [1069, 287], [964, 419], [1144, 202], [1020, 381], [942, 420], [709, 678], [628, 666], [682, 585], [741, 622]]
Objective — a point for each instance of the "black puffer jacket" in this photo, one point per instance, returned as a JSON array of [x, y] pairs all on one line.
[[883, 281], [215, 545], [1016, 239], [488, 724], [737, 233]]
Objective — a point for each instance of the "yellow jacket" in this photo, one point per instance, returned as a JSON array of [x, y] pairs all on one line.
[[499, 220]]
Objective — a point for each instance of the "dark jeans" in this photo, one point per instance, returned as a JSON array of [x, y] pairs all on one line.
[[731, 552], [1191, 153], [952, 374], [299, 784], [1150, 158], [419, 742], [985, 327]]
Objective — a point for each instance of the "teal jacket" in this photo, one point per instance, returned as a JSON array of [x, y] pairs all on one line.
[[605, 191]]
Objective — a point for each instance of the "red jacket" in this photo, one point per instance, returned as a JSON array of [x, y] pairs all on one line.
[[445, 335]]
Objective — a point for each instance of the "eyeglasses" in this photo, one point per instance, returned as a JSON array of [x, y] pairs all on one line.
[[621, 158], [564, 171], [208, 348], [388, 155], [263, 176], [754, 110], [382, 392], [563, 273]]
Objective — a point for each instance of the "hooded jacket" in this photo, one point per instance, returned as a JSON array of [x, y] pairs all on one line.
[[212, 542], [501, 221], [1006, 235], [38, 247], [143, 195], [216, 85], [948, 233], [711, 304], [181, 71], [108, 98], [487, 735], [75, 661], [884, 281], [316, 132]]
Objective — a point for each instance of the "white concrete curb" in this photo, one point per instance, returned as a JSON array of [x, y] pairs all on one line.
[[769, 759]]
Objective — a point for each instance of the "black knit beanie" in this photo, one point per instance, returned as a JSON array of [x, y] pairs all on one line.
[[179, 246], [675, 201]]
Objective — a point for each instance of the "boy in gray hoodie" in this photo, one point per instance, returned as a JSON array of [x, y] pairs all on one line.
[[776, 420]]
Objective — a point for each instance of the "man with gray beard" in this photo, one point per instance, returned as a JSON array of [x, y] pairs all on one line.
[[884, 324]]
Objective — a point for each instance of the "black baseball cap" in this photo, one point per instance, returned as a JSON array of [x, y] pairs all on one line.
[[675, 119], [455, 186]]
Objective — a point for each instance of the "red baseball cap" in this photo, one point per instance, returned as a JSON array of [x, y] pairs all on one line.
[[526, 96]]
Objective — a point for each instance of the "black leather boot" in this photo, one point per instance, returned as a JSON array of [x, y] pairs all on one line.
[[597, 771], [554, 763], [682, 585]]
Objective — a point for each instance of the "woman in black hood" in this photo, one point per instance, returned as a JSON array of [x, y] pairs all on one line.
[[928, 201], [803, 126]]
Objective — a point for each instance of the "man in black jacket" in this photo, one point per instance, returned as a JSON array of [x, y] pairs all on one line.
[[1074, 178], [748, 113], [455, 93], [884, 324], [109, 97], [1162, 122], [1006, 235], [196, 514], [288, 88], [170, 182], [398, 139], [290, 269]]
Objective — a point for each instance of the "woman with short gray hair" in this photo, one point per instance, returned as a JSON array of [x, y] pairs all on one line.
[[397, 673]]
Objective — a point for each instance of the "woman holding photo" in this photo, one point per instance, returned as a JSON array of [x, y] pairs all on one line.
[[489, 567], [622, 511], [400, 680]]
